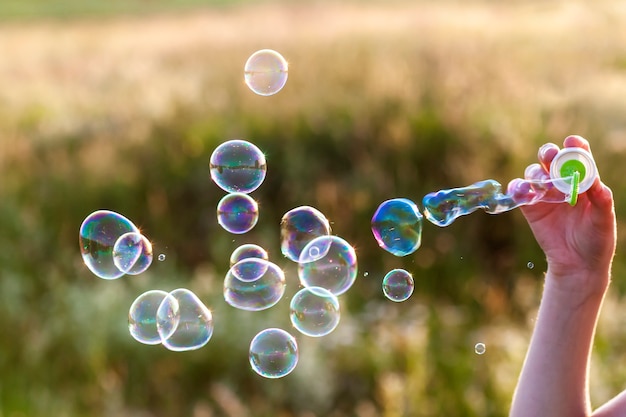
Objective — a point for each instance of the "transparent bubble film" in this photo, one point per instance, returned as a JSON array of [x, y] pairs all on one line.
[[238, 166], [258, 294], [97, 237], [183, 321], [314, 311], [273, 353], [397, 226], [298, 227], [237, 213], [398, 285], [266, 72], [142, 322], [132, 253], [336, 271], [248, 250]]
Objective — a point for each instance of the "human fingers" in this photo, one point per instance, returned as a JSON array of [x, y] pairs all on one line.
[[546, 154], [536, 172], [576, 141]]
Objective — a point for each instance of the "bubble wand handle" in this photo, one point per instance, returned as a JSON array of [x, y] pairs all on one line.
[[572, 172]]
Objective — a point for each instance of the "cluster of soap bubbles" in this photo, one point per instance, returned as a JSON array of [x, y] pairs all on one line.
[[112, 246], [178, 320]]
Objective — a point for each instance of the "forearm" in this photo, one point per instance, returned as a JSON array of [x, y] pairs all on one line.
[[553, 382]]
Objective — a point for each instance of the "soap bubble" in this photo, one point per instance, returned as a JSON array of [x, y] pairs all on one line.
[[249, 250], [398, 285], [258, 294], [142, 317], [336, 271], [161, 257], [530, 265], [132, 253], [314, 311], [249, 269], [237, 213], [480, 348], [273, 353], [298, 227], [266, 72], [397, 226], [183, 321], [97, 236], [238, 166]]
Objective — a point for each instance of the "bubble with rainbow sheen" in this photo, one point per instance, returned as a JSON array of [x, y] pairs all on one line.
[[314, 311], [258, 294], [273, 353], [298, 227], [183, 321], [249, 269], [132, 253], [397, 226], [248, 250], [266, 72], [238, 166], [237, 213], [336, 271], [97, 236], [142, 317], [398, 285]]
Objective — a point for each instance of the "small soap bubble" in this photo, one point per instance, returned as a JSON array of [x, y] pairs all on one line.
[[97, 236], [161, 257], [336, 271], [273, 353], [398, 285], [480, 348], [298, 227], [183, 321], [397, 226], [238, 166], [266, 72], [314, 311], [132, 253], [249, 250], [366, 273], [237, 213], [258, 294], [530, 265], [142, 317]]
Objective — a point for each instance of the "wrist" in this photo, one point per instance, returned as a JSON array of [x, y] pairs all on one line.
[[577, 284]]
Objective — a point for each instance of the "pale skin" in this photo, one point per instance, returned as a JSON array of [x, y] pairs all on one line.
[[579, 244]]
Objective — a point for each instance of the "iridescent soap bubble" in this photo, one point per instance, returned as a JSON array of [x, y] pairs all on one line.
[[314, 311], [237, 213], [266, 72], [397, 226], [249, 250], [238, 166], [183, 321], [132, 253], [298, 227], [249, 269], [398, 285], [258, 294], [273, 353], [97, 236], [336, 271], [142, 317]]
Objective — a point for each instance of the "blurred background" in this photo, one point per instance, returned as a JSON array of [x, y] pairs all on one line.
[[118, 105]]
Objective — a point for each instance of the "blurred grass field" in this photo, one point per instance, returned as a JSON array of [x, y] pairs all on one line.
[[384, 99]]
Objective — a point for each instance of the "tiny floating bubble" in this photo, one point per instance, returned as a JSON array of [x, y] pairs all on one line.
[[530, 265], [480, 348], [161, 257], [265, 72]]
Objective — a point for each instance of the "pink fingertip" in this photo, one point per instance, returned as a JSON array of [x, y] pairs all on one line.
[[576, 141]]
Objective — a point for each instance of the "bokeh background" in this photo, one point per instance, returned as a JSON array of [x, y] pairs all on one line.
[[118, 105]]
